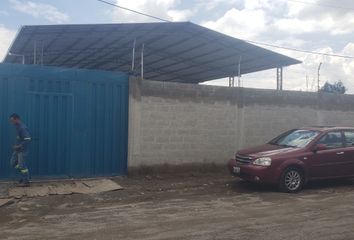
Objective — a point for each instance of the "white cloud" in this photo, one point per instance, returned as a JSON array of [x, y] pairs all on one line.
[[252, 16], [294, 25], [165, 9], [180, 15], [6, 36], [349, 49], [213, 4], [323, 24], [40, 10], [246, 23], [316, 17]]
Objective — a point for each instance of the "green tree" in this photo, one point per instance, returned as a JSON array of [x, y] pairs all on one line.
[[337, 87]]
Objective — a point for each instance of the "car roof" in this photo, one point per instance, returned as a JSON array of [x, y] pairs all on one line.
[[327, 128]]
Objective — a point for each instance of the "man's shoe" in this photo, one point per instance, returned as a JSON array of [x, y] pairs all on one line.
[[23, 184]]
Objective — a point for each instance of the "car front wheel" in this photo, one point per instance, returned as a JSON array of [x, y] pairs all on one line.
[[292, 180]]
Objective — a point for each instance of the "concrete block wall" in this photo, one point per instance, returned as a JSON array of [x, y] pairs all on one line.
[[174, 123]]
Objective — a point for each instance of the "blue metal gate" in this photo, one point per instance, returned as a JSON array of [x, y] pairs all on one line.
[[78, 120]]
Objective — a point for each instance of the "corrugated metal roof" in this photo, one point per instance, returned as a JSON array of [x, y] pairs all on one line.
[[180, 52]]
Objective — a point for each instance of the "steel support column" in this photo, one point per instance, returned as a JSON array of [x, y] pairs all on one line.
[[231, 81], [280, 78]]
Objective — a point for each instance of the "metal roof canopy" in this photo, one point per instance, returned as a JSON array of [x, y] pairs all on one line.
[[179, 52]]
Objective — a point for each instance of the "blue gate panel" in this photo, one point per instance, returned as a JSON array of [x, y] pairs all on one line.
[[78, 120]]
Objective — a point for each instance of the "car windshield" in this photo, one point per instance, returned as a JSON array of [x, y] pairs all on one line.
[[295, 138]]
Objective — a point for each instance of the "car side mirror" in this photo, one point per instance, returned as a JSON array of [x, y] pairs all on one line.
[[320, 147]]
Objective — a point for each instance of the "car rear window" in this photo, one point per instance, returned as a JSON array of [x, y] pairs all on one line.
[[349, 138], [332, 140]]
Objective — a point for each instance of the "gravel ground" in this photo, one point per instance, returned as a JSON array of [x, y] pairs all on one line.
[[211, 205]]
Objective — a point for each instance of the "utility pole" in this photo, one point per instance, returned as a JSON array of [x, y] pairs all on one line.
[[239, 72], [35, 52], [307, 83], [133, 57], [318, 77], [142, 61]]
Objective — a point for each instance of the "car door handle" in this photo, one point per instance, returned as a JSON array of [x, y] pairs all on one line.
[[340, 153]]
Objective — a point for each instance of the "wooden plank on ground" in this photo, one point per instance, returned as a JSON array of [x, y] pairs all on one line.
[[65, 188], [5, 201]]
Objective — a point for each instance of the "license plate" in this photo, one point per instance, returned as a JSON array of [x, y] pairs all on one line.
[[237, 170]]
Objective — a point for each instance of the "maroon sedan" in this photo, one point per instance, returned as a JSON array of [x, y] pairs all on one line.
[[297, 156]]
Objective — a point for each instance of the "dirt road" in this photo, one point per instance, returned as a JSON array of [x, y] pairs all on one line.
[[189, 206]]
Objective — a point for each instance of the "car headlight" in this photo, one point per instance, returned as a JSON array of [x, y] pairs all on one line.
[[263, 161]]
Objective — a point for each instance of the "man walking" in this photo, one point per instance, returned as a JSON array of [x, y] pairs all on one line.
[[18, 159]]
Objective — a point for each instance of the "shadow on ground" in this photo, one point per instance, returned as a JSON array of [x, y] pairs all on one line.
[[247, 187]]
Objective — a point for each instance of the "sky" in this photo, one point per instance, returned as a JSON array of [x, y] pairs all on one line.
[[315, 25]]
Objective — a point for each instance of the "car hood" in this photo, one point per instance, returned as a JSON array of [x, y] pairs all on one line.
[[267, 150]]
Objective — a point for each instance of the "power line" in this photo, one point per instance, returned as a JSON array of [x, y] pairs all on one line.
[[131, 10], [322, 5], [249, 41], [300, 50]]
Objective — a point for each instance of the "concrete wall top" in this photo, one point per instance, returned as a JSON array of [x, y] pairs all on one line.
[[247, 96]]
